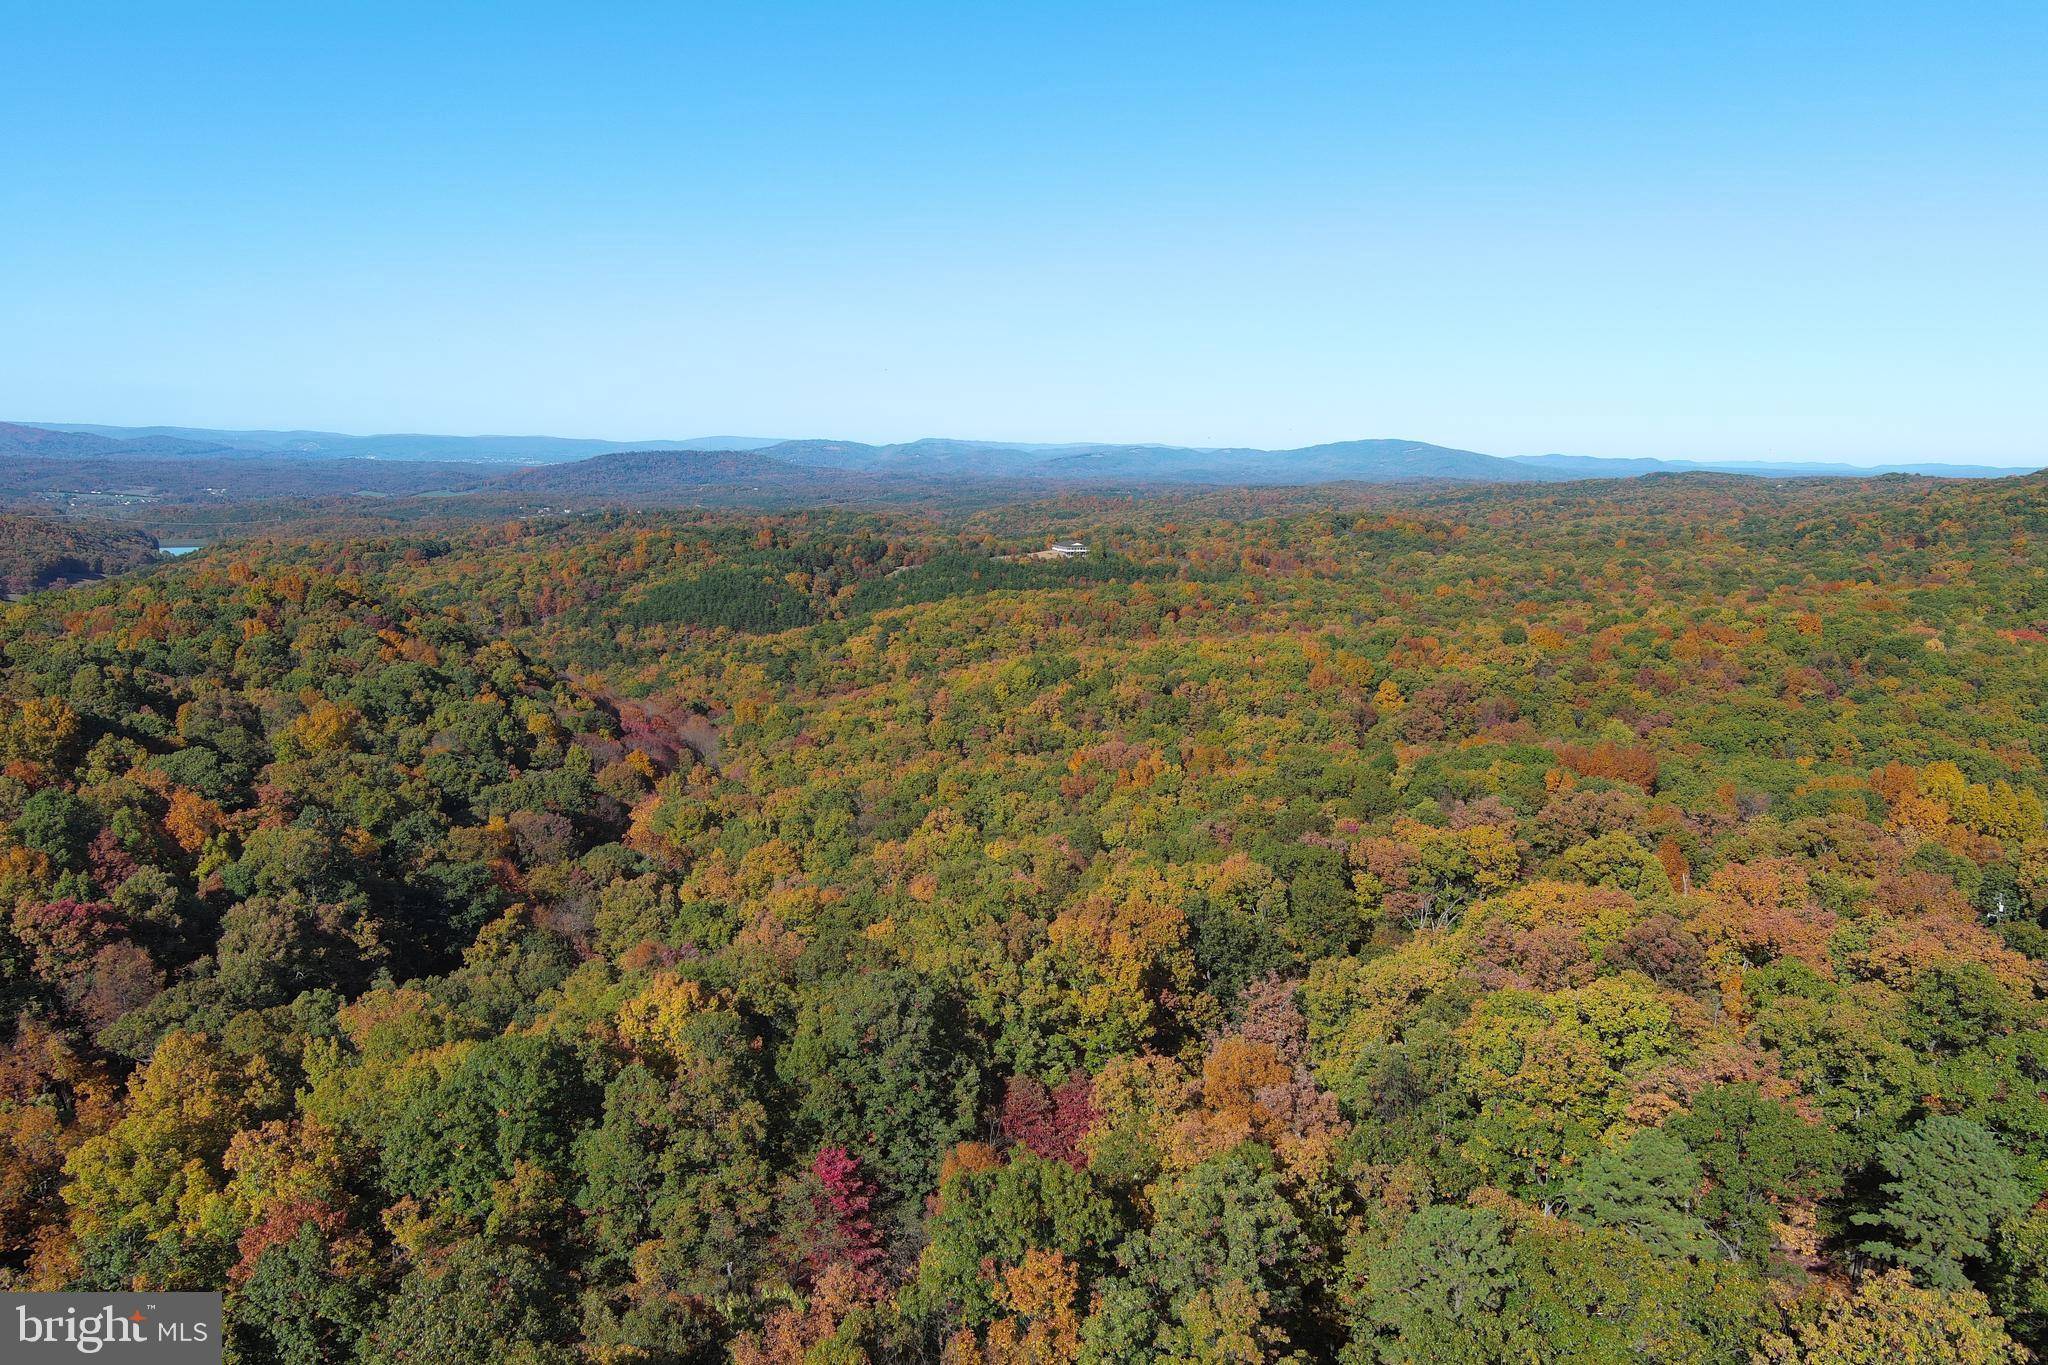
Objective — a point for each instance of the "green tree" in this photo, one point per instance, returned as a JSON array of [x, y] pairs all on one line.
[[883, 1065], [482, 1303], [1438, 1290], [1647, 1188], [2018, 1280], [513, 1099], [1224, 1254], [987, 1219], [1946, 1184], [298, 1307], [1754, 1152]]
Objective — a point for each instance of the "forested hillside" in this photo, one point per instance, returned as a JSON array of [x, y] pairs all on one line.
[[38, 552], [1556, 922]]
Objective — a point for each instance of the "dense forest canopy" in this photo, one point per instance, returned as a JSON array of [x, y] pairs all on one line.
[[1590, 922]]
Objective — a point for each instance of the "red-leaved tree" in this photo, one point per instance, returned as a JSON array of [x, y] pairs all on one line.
[[1050, 1123]]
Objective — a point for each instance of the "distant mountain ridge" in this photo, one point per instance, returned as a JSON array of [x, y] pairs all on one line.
[[330, 445], [1379, 461], [637, 476], [60, 443], [1371, 461], [1601, 467]]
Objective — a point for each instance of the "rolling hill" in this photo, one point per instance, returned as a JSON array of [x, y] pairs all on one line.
[[57, 443], [655, 475], [38, 552], [1378, 461]]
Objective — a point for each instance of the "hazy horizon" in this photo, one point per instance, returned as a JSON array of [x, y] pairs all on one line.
[[757, 437]]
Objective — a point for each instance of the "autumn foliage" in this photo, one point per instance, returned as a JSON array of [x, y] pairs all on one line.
[[1555, 922]]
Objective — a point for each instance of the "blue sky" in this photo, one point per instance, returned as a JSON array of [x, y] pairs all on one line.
[[1732, 230]]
